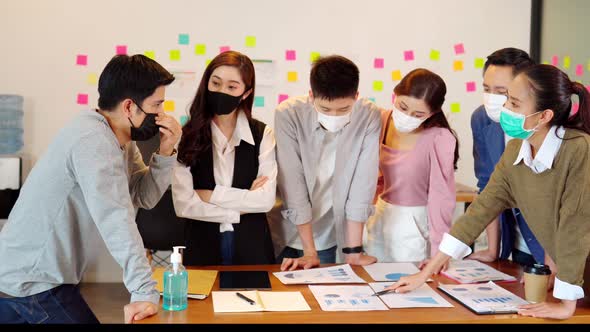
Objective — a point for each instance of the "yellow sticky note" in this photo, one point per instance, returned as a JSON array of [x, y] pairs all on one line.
[[458, 65], [377, 85], [478, 63], [150, 54], [92, 79], [396, 75], [200, 49], [455, 107], [292, 76], [314, 56], [169, 105], [545, 62], [434, 55], [566, 62], [174, 55], [250, 41], [207, 62]]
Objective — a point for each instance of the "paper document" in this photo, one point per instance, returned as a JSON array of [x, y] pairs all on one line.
[[487, 298], [346, 298], [421, 297], [229, 301], [391, 271], [200, 282], [471, 271], [339, 274]]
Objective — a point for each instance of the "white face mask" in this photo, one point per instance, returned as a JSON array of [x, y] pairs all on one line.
[[493, 104], [405, 123], [333, 123]]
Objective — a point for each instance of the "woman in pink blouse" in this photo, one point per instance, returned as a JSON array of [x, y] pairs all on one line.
[[416, 191]]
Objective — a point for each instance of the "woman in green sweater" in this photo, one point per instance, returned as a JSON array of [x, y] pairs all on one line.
[[546, 173]]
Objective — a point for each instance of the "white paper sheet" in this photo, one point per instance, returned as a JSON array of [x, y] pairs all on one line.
[[471, 271], [391, 271], [487, 298], [228, 301], [339, 274], [421, 297], [346, 298]]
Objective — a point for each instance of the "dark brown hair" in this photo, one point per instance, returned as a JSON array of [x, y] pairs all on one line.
[[425, 85], [334, 77], [196, 133]]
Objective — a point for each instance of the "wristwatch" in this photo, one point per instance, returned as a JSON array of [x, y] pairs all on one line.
[[352, 250]]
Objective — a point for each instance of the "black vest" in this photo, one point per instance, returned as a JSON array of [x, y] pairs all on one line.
[[253, 243]]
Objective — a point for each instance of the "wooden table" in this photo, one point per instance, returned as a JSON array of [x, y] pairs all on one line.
[[201, 311]]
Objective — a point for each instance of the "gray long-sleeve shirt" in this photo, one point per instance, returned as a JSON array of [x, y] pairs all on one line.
[[85, 182]]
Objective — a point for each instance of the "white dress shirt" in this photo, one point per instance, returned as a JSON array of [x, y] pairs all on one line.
[[226, 202], [543, 161]]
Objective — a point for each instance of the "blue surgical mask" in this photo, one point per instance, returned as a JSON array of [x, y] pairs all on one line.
[[513, 124]]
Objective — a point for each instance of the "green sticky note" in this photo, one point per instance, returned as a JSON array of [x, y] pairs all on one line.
[[455, 107], [314, 56], [372, 99], [200, 49], [566, 62], [545, 62], [183, 119], [377, 85], [174, 55], [258, 101], [250, 41], [183, 39], [150, 54], [434, 55], [207, 62], [478, 63]]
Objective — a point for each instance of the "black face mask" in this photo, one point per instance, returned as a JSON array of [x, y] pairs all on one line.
[[221, 103], [147, 129]]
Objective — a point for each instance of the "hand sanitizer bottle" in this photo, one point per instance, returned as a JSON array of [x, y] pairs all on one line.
[[175, 283]]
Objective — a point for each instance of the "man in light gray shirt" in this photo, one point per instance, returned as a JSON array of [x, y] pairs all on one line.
[[91, 178], [328, 160]]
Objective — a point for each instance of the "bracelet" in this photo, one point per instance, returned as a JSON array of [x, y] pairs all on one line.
[[353, 250]]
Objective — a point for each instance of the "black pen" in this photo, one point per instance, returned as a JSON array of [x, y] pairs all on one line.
[[245, 298], [383, 292]]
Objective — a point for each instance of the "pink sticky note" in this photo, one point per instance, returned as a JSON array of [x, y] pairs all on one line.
[[283, 97], [378, 63], [393, 98], [224, 49], [121, 49], [290, 55], [81, 60], [459, 49], [555, 60], [470, 86], [588, 88], [409, 55], [575, 108], [82, 99], [579, 70]]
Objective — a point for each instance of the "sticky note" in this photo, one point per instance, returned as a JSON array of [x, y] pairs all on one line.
[[579, 70], [554, 60], [258, 101], [81, 60], [200, 49], [314, 56], [545, 62], [459, 49], [174, 55], [455, 107], [372, 99], [150, 54], [183, 39], [378, 63], [588, 88], [250, 41], [393, 98], [183, 119], [92, 79], [575, 108], [377, 85], [434, 55], [292, 76], [408, 55], [396, 75], [207, 62], [290, 55], [478, 63], [470, 86], [566, 62], [457, 65], [224, 49], [121, 49], [82, 99], [283, 97], [169, 105]]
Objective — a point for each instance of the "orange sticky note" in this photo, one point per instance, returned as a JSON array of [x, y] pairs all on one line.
[[396, 75], [92, 79], [169, 105], [458, 65], [292, 76]]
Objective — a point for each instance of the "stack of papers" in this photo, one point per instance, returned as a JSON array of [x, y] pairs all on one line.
[[486, 298]]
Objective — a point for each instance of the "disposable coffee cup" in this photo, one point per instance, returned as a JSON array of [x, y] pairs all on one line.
[[536, 278]]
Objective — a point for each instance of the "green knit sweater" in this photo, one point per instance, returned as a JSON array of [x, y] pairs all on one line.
[[555, 203]]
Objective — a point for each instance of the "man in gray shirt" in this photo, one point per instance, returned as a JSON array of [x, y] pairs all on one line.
[[91, 178], [328, 160]]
